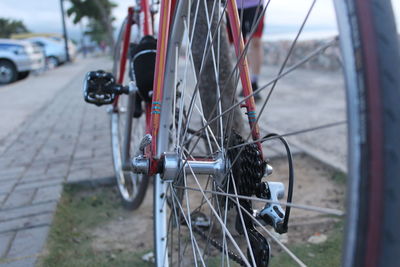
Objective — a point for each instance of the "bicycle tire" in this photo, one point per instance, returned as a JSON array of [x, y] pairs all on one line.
[[374, 30], [131, 187], [368, 39]]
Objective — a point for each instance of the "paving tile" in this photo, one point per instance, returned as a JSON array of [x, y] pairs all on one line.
[[100, 152], [7, 185], [10, 177], [102, 172], [2, 197], [37, 184], [26, 222], [79, 175], [11, 172], [5, 242], [26, 262], [15, 213], [36, 170], [28, 242], [21, 162], [83, 154], [19, 198], [50, 193], [6, 161], [37, 178], [60, 168]]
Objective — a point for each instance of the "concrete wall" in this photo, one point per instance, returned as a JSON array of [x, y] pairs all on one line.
[[329, 60], [276, 52]]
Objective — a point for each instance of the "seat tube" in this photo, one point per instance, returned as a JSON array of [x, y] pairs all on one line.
[[243, 68], [124, 55], [146, 24]]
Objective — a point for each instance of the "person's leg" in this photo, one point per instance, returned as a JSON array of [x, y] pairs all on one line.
[[255, 58], [256, 51]]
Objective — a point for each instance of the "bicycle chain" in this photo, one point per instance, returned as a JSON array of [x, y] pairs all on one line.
[[232, 255], [248, 171]]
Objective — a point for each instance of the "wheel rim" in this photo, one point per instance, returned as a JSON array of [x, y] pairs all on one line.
[[162, 208], [52, 62], [130, 185], [6, 73]]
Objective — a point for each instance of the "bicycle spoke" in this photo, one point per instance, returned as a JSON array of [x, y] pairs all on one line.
[[219, 218], [312, 129], [196, 118], [244, 53], [283, 74], [287, 250], [188, 223], [282, 203], [199, 108], [244, 226], [274, 83]]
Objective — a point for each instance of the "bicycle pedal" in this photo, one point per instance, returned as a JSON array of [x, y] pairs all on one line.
[[100, 88]]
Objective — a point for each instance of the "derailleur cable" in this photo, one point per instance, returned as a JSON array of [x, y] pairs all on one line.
[[291, 176]]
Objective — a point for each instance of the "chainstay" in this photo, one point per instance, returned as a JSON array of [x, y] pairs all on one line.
[[232, 255]]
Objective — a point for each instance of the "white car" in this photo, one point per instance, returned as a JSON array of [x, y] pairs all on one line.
[[54, 50], [17, 59]]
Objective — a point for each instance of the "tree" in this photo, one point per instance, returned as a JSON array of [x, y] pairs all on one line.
[[99, 14], [9, 26], [96, 31]]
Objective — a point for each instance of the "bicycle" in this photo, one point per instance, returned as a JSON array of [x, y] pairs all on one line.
[[195, 196]]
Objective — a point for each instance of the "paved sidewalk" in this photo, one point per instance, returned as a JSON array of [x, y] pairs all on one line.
[[64, 140]]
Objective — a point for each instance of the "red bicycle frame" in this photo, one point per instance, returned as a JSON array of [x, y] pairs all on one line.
[[153, 109]]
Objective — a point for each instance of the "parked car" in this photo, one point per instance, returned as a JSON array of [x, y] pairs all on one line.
[[72, 49], [18, 59], [54, 50]]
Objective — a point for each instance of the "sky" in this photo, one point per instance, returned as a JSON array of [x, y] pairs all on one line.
[[282, 15]]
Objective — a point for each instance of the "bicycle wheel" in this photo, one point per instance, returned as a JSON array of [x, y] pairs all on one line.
[[210, 219], [126, 132]]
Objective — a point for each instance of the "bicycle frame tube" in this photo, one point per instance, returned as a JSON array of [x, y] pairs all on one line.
[[147, 26], [163, 36], [147, 30], [147, 21], [124, 54], [244, 69], [162, 42]]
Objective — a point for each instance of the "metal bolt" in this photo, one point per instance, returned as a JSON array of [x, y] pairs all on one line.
[[268, 169]]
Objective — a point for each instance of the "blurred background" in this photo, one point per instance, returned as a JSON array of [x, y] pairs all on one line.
[[91, 27]]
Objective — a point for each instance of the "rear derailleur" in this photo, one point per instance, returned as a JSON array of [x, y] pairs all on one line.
[[247, 173]]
